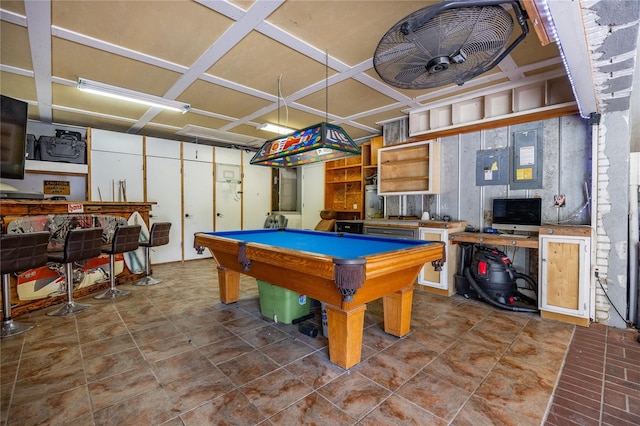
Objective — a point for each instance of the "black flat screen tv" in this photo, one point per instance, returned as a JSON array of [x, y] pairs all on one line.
[[13, 136], [517, 214]]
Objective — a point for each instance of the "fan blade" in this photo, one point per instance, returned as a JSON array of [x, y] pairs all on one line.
[[423, 36], [408, 75], [399, 52]]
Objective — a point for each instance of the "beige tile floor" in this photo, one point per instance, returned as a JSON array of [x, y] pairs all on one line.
[[172, 354]]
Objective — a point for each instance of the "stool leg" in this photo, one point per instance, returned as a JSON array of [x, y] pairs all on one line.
[[113, 292], [9, 327], [70, 307], [147, 279]]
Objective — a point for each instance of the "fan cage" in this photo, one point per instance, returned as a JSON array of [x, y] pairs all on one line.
[[445, 44]]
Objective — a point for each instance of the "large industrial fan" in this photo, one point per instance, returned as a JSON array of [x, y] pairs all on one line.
[[450, 42]]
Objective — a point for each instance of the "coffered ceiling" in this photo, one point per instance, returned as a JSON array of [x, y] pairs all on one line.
[[238, 63]]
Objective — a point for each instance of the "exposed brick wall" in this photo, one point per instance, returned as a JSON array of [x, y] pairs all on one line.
[[603, 243]]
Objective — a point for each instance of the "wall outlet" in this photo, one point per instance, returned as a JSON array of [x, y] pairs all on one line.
[[355, 207]]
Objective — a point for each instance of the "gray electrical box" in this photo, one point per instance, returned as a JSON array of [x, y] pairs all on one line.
[[526, 164], [492, 167]]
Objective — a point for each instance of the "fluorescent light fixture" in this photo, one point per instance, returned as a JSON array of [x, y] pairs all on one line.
[[130, 95], [275, 128], [320, 142]]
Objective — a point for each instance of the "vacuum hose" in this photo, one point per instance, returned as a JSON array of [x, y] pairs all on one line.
[[469, 276], [533, 285]]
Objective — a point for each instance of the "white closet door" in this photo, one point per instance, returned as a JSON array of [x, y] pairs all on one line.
[[165, 189], [256, 194], [228, 195], [198, 195], [312, 194], [116, 167]]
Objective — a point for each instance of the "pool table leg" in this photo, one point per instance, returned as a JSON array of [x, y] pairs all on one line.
[[397, 311], [229, 285], [345, 335]]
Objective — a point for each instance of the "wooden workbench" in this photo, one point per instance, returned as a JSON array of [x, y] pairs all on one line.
[[494, 239]]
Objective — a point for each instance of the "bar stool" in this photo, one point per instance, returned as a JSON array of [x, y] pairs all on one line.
[[275, 221], [19, 252], [79, 244], [158, 236], [125, 238]]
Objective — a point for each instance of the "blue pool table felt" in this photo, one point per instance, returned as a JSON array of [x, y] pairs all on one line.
[[332, 244]]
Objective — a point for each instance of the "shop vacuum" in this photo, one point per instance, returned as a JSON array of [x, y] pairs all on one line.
[[486, 273]]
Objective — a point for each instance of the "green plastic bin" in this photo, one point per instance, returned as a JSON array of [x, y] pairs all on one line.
[[280, 304]]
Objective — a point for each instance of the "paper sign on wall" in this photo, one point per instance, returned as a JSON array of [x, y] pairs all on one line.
[[56, 187]]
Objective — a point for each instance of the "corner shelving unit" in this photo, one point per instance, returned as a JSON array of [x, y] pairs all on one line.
[[344, 188], [370, 158]]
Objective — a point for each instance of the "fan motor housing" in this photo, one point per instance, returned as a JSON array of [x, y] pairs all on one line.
[[438, 64]]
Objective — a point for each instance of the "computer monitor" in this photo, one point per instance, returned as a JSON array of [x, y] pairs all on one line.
[[517, 214]]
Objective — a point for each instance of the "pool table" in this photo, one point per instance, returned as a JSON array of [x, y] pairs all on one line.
[[345, 271]]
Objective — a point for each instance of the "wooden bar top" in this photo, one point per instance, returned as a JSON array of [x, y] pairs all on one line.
[[38, 207]]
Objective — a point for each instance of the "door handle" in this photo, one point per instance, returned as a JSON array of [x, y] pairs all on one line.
[[219, 214], [187, 215]]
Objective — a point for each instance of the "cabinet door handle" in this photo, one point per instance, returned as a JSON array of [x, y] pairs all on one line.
[[219, 214]]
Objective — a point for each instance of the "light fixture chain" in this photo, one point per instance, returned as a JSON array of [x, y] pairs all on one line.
[[326, 88]]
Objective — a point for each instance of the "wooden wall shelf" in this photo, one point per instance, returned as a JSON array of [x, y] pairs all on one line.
[[549, 96], [409, 168]]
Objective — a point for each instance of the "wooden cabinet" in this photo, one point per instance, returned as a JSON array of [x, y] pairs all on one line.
[[344, 191], [440, 282], [412, 168], [565, 253]]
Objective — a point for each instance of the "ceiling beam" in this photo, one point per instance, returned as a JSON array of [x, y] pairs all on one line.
[[255, 15], [39, 19]]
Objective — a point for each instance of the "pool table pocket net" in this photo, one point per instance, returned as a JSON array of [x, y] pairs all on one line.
[[349, 275]]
